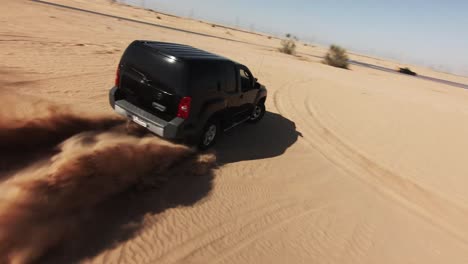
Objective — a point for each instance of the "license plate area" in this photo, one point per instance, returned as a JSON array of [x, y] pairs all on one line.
[[139, 121]]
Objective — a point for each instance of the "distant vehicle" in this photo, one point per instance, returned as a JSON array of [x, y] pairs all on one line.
[[407, 71], [180, 92]]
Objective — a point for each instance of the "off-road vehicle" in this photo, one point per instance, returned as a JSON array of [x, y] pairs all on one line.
[[181, 92], [407, 71]]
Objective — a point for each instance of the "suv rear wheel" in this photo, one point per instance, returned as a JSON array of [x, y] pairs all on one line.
[[209, 134], [257, 113]]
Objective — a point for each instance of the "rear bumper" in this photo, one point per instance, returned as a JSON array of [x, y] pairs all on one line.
[[166, 129]]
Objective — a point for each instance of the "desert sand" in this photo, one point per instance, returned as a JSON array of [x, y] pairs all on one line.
[[348, 166]]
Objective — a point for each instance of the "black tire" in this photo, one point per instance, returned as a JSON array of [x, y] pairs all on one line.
[[257, 113], [207, 138]]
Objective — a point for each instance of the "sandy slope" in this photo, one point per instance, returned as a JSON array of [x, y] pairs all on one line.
[[355, 166]]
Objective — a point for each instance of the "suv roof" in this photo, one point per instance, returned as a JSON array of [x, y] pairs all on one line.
[[181, 51]]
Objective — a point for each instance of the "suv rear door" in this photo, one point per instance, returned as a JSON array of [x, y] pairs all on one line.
[[152, 81]]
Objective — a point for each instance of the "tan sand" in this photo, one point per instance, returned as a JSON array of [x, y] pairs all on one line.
[[358, 166]]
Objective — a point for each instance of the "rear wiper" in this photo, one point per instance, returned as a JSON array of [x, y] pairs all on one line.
[[144, 77]]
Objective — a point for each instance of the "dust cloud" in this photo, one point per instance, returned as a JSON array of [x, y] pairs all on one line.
[[43, 203]]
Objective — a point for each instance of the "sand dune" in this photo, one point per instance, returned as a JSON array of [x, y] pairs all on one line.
[[359, 166]]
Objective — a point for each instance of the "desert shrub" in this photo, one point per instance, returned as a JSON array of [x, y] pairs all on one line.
[[337, 57], [288, 46]]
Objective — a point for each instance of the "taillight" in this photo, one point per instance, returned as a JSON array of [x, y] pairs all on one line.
[[184, 107], [117, 77]]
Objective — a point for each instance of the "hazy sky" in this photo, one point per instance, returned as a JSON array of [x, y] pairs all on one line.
[[430, 33]]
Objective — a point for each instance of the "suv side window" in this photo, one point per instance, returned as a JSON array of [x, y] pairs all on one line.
[[246, 80], [206, 77], [230, 79]]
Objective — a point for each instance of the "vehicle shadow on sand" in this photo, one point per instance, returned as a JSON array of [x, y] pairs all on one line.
[[268, 138]]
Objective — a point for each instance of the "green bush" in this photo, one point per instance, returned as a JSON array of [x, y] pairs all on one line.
[[337, 57], [288, 46]]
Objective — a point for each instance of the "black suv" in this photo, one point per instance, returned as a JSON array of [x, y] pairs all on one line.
[[180, 92]]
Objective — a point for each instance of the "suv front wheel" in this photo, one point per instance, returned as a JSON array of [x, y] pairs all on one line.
[[257, 113], [209, 134]]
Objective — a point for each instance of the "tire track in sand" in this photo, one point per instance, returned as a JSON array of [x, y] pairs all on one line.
[[254, 230], [227, 237], [413, 197]]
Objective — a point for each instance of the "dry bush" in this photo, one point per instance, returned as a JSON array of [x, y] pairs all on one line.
[[288, 46], [337, 57]]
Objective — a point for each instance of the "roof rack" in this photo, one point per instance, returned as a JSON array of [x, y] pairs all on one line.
[[183, 52]]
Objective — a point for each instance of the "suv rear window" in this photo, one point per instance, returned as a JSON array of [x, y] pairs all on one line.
[[167, 72]]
